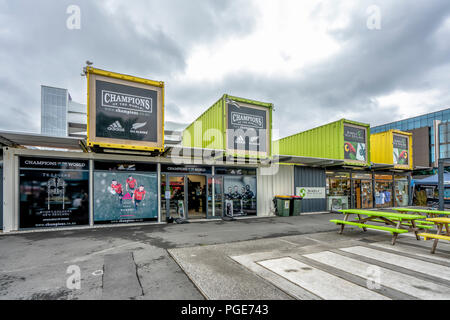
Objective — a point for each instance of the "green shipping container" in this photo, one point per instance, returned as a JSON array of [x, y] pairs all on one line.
[[239, 127], [341, 140]]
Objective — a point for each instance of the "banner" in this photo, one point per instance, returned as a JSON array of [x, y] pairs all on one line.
[[241, 191], [51, 194], [125, 197], [355, 144], [401, 152], [247, 128]]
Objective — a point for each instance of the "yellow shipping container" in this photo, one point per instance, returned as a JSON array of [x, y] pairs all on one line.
[[392, 147]]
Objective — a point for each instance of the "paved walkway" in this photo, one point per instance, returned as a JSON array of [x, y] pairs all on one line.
[[268, 258], [355, 266], [35, 265]]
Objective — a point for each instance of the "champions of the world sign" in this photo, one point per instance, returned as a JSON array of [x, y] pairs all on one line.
[[124, 112], [247, 128]]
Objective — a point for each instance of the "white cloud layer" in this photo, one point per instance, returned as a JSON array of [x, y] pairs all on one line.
[[315, 60]]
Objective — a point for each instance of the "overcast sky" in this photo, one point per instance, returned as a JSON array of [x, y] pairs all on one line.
[[316, 61]]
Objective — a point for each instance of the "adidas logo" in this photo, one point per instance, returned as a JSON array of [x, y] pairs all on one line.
[[116, 126], [240, 139]]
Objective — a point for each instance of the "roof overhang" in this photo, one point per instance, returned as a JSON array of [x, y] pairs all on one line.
[[307, 161], [17, 139], [381, 166]]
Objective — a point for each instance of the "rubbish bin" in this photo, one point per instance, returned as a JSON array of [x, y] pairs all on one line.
[[282, 205], [296, 205]]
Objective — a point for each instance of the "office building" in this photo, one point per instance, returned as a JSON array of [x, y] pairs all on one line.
[[430, 136], [60, 116]]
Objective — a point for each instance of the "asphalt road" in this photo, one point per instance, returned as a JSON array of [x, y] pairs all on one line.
[[129, 262]]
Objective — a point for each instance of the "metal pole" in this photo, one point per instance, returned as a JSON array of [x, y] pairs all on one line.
[[441, 184]]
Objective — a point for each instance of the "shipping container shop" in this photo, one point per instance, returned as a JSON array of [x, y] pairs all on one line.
[[392, 149], [334, 169], [60, 182], [231, 129]]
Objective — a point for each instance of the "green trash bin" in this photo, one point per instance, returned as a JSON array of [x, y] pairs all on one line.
[[283, 205], [296, 205]]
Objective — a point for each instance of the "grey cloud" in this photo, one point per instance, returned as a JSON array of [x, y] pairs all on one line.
[[411, 53], [39, 49]]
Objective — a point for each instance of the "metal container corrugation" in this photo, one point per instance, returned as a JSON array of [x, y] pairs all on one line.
[[311, 177], [326, 141], [199, 134], [276, 180], [382, 148]]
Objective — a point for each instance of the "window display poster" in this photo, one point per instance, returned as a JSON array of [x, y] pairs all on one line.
[[125, 197], [401, 153], [241, 190], [53, 198], [354, 143]]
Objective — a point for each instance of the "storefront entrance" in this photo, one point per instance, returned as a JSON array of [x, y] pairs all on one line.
[[363, 194], [186, 192], [362, 190], [184, 196]]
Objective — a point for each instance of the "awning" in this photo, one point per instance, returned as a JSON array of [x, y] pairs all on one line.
[[307, 161], [382, 166], [17, 139]]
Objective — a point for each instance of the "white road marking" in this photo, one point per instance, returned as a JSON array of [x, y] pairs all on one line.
[[400, 261], [401, 282], [320, 283], [294, 290], [404, 248]]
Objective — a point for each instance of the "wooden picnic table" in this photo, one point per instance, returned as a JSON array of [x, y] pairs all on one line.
[[441, 234], [429, 213], [402, 223]]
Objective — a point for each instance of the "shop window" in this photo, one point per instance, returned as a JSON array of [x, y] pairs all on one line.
[[383, 193], [338, 191], [240, 195], [125, 193], [53, 193], [401, 191]]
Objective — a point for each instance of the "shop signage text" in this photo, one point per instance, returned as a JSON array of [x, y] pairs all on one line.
[[310, 192]]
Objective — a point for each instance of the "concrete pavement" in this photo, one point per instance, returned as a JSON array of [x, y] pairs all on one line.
[[34, 265]]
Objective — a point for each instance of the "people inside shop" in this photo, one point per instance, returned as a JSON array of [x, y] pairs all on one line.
[[197, 195], [203, 195], [116, 188], [138, 196]]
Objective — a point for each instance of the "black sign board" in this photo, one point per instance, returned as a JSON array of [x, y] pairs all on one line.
[[186, 169], [235, 171], [355, 143], [354, 134], [121, 166], [51, 163], [53, 197], [400, 142], [246, 128], [126, 112]]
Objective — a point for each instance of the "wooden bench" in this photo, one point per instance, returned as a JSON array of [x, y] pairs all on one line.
[[395, 223], [430, 213], [369, 226], [419, 224], [440, 223], [428, 236]]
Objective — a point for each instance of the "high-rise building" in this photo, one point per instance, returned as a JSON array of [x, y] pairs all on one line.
[[431, 136], [60, 116]]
